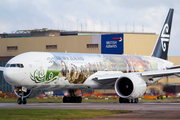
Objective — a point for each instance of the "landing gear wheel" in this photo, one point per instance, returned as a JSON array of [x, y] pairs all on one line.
[[64, 99], [136, 100], [19, 101], [24, 101], [72, 99], [123, 100], [76, 100], [79, 99]]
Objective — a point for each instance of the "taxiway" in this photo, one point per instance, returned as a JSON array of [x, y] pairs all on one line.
[[109, 106]]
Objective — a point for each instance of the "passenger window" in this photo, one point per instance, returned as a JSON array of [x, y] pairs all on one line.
[[13, 65]]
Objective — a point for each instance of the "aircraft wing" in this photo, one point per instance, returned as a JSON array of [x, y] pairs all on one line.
[[1, 68], [107, 79], [174, 67], [160, 73]]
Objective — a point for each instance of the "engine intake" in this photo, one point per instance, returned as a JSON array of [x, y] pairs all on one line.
[[125, 86], [130, 86]]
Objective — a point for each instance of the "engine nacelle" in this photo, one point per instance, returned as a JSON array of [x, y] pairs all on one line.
[[28, 93], [130, 86]]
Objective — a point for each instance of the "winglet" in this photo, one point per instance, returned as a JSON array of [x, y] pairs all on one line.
[[162, 44]]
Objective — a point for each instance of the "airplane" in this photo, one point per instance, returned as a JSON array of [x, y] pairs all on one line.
[[32, 73]]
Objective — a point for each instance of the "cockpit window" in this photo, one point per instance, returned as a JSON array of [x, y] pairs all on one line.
[[7, 65], [15, 65], [19, 65], [22, 66]]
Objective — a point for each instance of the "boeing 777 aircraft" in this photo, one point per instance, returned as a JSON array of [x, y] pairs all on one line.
[[32, 73]]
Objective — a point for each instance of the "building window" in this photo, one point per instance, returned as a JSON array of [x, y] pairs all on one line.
[[92, 45], [12, 47], [51, 46]]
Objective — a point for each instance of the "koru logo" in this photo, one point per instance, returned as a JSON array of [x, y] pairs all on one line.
[[165, 37]]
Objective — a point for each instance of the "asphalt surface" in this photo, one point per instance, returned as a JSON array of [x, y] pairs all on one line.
[[109, 106], [140, 111]]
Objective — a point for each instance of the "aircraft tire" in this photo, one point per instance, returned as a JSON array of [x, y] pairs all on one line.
[[75, 99], [64, 99], [24, 101], [136, 100], [127, 101], [122, 100], [19, 101], [72, 99], [79, 99]]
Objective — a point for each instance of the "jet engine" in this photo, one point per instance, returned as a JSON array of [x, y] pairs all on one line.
[[130, 86], [28, 93]]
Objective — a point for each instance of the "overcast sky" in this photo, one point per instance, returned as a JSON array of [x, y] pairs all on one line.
[[91, 15]]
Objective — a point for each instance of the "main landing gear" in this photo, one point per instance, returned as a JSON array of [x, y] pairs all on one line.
[[124, 100], [72, 98]]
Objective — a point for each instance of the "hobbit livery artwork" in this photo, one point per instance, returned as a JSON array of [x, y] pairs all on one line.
[[76, 68]]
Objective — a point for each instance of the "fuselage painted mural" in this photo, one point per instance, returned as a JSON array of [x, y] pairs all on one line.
[[76, 68]]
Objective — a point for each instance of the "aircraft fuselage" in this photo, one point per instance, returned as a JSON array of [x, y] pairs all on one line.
[[43, 70]]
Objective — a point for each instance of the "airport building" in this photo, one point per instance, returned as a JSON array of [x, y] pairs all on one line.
[[44, 40]]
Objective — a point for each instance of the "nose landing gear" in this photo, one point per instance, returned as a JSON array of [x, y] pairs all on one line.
[[21, 101], [20, 91]]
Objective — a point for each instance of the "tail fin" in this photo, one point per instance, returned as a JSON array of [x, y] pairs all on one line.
[[162, 44]]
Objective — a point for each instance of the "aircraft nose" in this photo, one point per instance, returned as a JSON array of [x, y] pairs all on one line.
[[11, 76]]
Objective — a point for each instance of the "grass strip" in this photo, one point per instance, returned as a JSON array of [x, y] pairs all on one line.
[[53, 114]]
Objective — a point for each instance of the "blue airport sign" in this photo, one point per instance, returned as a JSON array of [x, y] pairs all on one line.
[[112, 44]]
